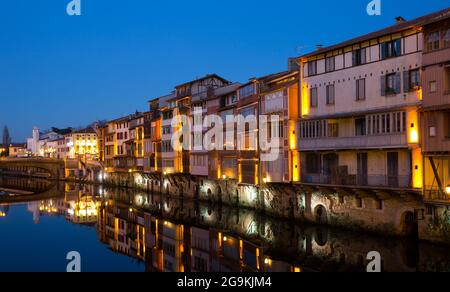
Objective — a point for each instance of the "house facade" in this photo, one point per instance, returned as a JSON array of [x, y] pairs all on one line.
[[359, 111]]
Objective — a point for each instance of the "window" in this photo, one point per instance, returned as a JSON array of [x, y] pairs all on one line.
[[433, 87], [247, 91], [330, 94], [446, 38], [313, 163], [248, 111], [361, 89], [359, 57], [432, 132], [329, 64], [360, 126], [333, 129], [313, 129], [314, 97], [411, 80], [390, 84], [391, 49], [312, 68], [167, 130], [432, 41]]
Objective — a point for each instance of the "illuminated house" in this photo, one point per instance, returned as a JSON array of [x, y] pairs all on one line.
[[186, 98], [223, 163], [156, 133], [248, 156], [436, 107], [82, 144], [359, 106], [279, 96], [137, 141], [199, 92], [17, 150]]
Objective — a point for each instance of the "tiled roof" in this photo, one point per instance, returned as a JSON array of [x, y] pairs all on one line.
[[401, 26]]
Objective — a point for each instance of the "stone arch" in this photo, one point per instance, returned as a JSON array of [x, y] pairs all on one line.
[[321, 214], [321, 236], [209, 194], [410, 224]]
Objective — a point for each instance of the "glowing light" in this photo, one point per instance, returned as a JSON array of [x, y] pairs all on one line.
[[131, 210], [224, 177], [297, 270], [268, 261], [447, 190], [225, 239], [413, 132], [417, 160]]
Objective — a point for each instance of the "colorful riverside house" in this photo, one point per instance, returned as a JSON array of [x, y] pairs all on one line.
[[137, 141], [223, 163], [248, 154], [279, 95], [436, 108], [186, 99], [200, 91], [359, 111]]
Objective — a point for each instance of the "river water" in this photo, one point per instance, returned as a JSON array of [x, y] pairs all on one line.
[[130, 231]]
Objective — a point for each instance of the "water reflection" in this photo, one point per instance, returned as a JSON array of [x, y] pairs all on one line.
[[167, 234]]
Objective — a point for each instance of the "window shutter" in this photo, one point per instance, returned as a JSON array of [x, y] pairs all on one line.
[[363, 56], [354, 58], [383, 53], [406, 82], [383, 85], [398, 83]]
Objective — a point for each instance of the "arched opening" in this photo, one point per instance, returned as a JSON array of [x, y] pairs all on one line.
[[321, 236], [410, 225], [321, 215], [209, 194]]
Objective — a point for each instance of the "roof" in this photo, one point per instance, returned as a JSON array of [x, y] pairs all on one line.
[[401, 26], [88, 130], [23, 145], [204, 78], [227, 89]]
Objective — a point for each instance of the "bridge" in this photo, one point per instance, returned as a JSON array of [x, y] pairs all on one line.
[[28, 190], [33, 167]]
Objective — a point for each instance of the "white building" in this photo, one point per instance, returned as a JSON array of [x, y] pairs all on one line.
[[359, 107]]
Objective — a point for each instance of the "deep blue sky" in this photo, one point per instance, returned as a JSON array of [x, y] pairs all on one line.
[[57, 70]]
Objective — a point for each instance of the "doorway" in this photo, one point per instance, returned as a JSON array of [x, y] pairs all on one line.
[[392, 164]]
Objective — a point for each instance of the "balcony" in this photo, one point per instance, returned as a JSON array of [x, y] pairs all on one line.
[[383, 181], [360, 142]]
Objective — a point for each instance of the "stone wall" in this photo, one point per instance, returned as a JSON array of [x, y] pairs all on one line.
[[346, 210]]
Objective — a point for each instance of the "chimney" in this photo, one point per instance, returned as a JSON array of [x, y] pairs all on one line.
[[319, 47], [293, 65], [400, 19]]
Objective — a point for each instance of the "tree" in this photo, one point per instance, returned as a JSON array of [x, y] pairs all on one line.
[[6, 140]]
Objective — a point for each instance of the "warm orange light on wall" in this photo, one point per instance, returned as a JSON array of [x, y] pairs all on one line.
[[305, 101], [295, 166], [240, 172], [292, 136], [413, 127], [417, 160], [256, 174]]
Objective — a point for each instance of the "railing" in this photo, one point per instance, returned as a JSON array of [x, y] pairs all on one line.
[[377, 141], [435, 195], [401, 181]]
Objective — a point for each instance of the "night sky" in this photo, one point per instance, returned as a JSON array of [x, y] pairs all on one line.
[[57, 70]]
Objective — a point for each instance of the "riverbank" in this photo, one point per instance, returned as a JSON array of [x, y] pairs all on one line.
[[387, 212]]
